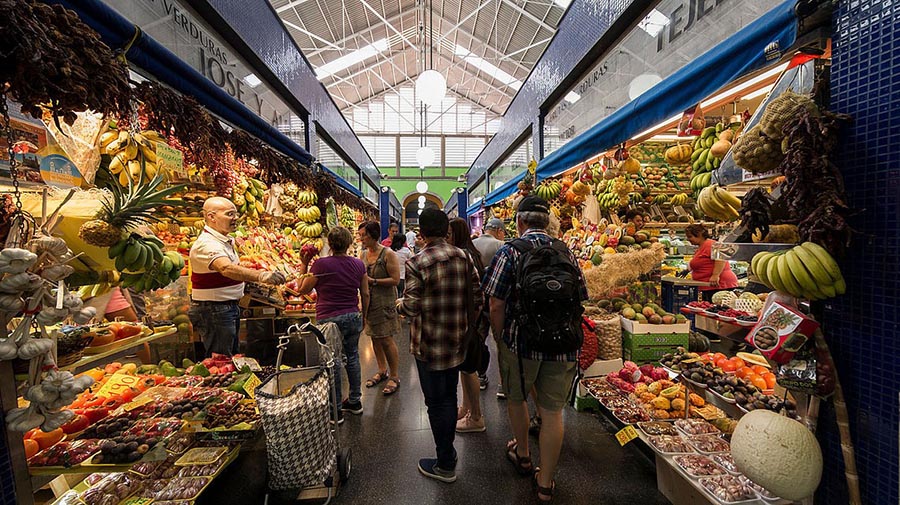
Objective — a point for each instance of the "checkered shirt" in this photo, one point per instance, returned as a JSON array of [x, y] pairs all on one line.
[[500, 282], [435, 302]]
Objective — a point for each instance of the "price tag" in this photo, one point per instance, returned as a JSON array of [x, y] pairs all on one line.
[[144, 400], [626, 434], [117, 383], [250, 385]]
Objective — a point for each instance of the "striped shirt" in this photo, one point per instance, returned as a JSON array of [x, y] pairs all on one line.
[[208, 285]]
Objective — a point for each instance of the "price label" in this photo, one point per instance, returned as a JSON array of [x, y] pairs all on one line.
[[144, 400], [118, 383], [626, 434], [250, 385]]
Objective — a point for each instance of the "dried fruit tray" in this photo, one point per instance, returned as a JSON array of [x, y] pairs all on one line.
[[201, 456], [689, 464]]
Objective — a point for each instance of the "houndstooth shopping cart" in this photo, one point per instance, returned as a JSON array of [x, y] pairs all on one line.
[[297, 406]]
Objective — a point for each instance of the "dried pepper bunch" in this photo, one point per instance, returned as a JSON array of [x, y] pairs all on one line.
[[754, 214], [814, 188], [50, 58], [183, 118]]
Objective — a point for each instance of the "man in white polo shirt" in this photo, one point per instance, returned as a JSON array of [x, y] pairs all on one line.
[[217, 279]]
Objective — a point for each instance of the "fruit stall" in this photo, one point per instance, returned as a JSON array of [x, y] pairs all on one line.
[[125, 166]]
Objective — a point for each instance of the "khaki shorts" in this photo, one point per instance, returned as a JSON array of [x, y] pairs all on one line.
[[552, 379]]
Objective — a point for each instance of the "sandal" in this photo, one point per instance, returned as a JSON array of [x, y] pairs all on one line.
[[544, 494], [377, 379], [391, 387], [522, 463]]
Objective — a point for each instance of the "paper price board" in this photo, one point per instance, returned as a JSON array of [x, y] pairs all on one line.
[[118, 383], [626, 434], [169, 159], [250, 385]]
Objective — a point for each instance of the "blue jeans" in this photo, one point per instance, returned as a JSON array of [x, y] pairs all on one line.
[[217, 324], [350, 326], [439, 389]]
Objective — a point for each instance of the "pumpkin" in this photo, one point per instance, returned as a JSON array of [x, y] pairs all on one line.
[[720, 148], [697, 343], [630, 166], [778, 453], [679, 155]]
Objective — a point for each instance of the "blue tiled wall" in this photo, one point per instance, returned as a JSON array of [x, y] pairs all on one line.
[[862, 327]]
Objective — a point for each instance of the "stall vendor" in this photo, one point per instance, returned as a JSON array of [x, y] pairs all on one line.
[[635, 218], [217, 279], [705, 269]]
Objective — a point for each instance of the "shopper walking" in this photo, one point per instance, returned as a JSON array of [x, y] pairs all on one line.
[[441, 297], [393, 229], [469, 417], [382, 322], [535, 279], [411, 240], [488, 243], [341, 284], [217, 279], [398, 245]]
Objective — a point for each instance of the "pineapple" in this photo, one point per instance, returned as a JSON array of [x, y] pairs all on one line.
[[125, 209], [288, 202], [291, 189]]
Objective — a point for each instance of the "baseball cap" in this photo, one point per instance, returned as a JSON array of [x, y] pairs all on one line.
[[495, 224], [533, 204]]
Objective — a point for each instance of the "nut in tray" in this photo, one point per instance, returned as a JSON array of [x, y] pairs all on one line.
[[201, 456]]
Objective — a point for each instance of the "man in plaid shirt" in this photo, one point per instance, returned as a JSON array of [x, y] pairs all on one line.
[[551, 376], [438, 281]]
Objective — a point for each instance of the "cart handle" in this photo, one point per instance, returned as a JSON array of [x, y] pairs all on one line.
[[310, 327]]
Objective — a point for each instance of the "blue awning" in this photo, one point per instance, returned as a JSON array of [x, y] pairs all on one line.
[[738, 55], [475, 207]]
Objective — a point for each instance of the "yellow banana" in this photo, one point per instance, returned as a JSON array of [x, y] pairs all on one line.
[[803, 277], [785, 273], [825, 259], [814, 266]]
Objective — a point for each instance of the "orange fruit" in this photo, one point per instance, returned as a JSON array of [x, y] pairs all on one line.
[[759, 382], [760, 370], [728, 366], [770, 380], [744, 371], [738, 362], [31, 448], [720, 362]]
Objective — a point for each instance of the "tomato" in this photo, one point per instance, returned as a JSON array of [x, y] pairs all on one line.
[[78, 423], [760, 370], [728, 366], [46, 439], [717, 356], [770, 380], [759, 382], [738, 362], [720, 363], [31, 448]]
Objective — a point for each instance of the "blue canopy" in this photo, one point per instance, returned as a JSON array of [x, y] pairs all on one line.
[[474, 207], [738, 55]]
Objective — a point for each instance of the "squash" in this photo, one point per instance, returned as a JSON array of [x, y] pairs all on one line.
[[698, 343], [679, 154], [720, 148], [630, 166], [777, 453]]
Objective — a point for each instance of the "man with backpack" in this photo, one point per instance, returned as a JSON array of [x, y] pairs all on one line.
[[536, 288]]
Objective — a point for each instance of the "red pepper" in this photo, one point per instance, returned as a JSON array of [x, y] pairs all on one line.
[[95, 401], [96, 413]]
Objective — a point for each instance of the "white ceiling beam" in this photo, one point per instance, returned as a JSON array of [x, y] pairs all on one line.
[[386, 23], [289, 5], [462, 21], [310, 34], [343, 42], [524, 12]]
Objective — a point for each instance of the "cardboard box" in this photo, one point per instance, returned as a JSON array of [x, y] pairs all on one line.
[[643, 355], [650, 347], [635, 327], [603, 367]]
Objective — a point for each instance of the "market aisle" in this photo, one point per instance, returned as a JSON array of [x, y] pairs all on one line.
[[392, 434]]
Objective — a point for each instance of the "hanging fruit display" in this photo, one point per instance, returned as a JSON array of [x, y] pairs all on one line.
[[248, 196], [717, 203], [805, 271], [548, 190], [133, 155]]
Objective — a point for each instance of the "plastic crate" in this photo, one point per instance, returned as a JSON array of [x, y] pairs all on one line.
[[674, 297]]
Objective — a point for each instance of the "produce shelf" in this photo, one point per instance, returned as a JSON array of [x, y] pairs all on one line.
[[87, 361]]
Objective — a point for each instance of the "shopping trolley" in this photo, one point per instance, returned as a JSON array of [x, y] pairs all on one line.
[[298, 409]]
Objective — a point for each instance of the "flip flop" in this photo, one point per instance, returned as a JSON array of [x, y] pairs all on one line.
[[392, 385], [377, 379]]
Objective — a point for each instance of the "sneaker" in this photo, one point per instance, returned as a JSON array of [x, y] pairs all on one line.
[[352, 407], [429, 468], [534, 426], [483, 382], [461, 413], [501, 395], [470, 425], [340, 418]]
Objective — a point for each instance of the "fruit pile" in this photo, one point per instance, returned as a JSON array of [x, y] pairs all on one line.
[[133, 154], [717, 203], [805, 271], [651, 313], [630, 375], [702, 305], [665, 400], [248, 195]]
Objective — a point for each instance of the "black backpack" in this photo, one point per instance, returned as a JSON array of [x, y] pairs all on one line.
[[548, 298]]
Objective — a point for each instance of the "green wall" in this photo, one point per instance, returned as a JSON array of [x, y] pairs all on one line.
[[440, 183]]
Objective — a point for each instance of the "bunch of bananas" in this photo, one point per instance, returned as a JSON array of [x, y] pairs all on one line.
[[661, 198], [133, 154], [306, 198], [161, 275], [700, 181], [309, 214], [609, 201], [137, 253], [702, 159], [108, 279], [247, 195], [805, 271], [548, 190], [679, 199], [717, 203], [309, 230]]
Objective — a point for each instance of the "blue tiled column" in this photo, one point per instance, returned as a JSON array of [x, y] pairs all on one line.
[[862, 326]]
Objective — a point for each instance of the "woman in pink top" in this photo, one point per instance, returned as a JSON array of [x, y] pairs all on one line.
[[340, 282]]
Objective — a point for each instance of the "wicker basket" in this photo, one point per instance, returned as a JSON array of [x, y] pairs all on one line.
[[69, 359]]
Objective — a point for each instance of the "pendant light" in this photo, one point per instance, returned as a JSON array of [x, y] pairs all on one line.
[[431, 86]]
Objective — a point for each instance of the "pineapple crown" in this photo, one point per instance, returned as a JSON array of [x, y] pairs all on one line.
[[134, 205]]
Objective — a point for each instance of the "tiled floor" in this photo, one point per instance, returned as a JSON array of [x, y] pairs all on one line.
[[393, 433]]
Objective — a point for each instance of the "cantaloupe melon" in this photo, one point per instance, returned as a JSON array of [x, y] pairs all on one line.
[[777, 453]]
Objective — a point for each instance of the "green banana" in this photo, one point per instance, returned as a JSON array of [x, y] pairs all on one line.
[[703, 155], [138, 263], [117, 249], [786, 275], [812, 264], [132, 252], [120, 263], [801, 274], [773, 276], [761, 271], [707, 132]]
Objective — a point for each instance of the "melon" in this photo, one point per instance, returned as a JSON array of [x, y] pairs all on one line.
[[637, 307], [777, 453], [640, 318], [641, 237], [627, 240], [648, 311]]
